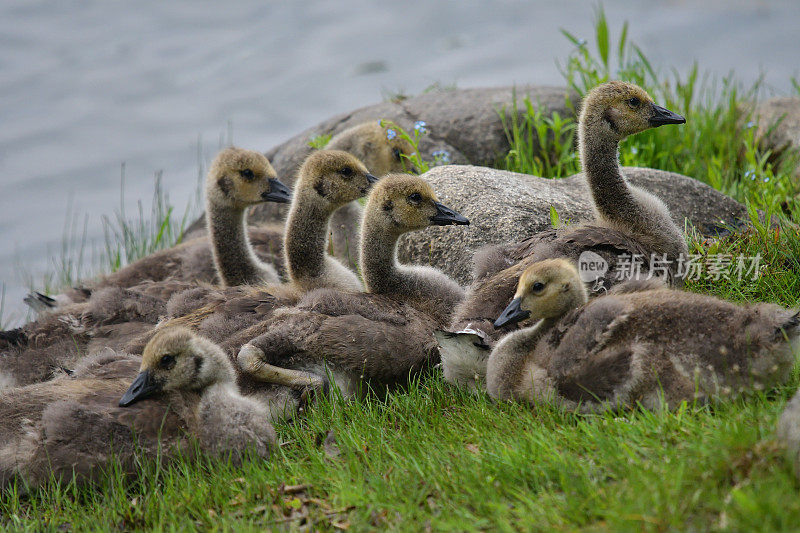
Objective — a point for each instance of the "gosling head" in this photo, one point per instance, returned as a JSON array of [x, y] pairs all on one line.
[[402, 202], [333, 178], [378, 146], [177, 359], [547, 289], [621, 109], [240, 178]]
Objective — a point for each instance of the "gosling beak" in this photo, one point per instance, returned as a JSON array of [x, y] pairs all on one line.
[[445, 216], [372, 180], [278, 192], [142, 387], [662, 115], [512, 314]]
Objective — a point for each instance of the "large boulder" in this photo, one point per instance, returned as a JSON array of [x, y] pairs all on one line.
[[506, 206], [789, 432], [778, 121], [464, 122]]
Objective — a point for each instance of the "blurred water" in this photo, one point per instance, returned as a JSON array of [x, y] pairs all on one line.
[[86, 85]]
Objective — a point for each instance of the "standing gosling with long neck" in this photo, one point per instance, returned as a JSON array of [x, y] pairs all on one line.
[[398, 204], [642, 343], [379, 337], [327, 180], [238, 179], [611, 112], [128, 302]]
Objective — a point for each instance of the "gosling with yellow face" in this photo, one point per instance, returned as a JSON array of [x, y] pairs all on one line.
[[74, 425], [642, 343]]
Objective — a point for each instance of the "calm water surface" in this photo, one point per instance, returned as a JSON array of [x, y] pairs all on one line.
[[88, 85]]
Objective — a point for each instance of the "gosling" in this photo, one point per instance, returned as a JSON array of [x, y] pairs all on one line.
[[641, 344], [237, 179], [72, 427]]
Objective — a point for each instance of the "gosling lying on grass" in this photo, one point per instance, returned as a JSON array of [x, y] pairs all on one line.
[[642, 343], [184, 393]]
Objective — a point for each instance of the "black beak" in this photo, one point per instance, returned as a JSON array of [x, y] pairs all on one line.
[[278, 192], [372, 180], [512, 314], [142, 387], [662, 115], [445, 216]]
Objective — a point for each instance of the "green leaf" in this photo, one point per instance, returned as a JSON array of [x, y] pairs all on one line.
[[574, 40], [623, 40], [602, 36], [554, 219], [319, 141]]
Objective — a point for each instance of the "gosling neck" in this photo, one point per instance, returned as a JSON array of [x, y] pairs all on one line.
[[600, 161], [234, 258], [379, 268], [306, 237]]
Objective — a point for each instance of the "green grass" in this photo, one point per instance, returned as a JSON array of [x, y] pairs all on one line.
[[435, 457]]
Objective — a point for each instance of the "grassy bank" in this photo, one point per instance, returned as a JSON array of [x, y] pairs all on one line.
[[439, 458], [435, 457]]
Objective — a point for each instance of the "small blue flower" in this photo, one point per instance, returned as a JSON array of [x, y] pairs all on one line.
[[391, 134], [750, 124], [750, 174], [766, 180], [421, 126], [634, 150], [441, 157]]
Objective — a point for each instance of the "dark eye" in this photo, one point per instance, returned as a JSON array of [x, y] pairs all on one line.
[[414, 198], [634, 102], [397, 154], [247, 174], [167, 362], [537, 287], [347, 172]]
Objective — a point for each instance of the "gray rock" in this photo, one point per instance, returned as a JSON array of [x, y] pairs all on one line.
[[465, 122], [506, 207], [789, 432], [778, 122]]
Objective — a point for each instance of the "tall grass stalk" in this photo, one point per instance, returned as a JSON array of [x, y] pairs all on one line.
[[128, 239]]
